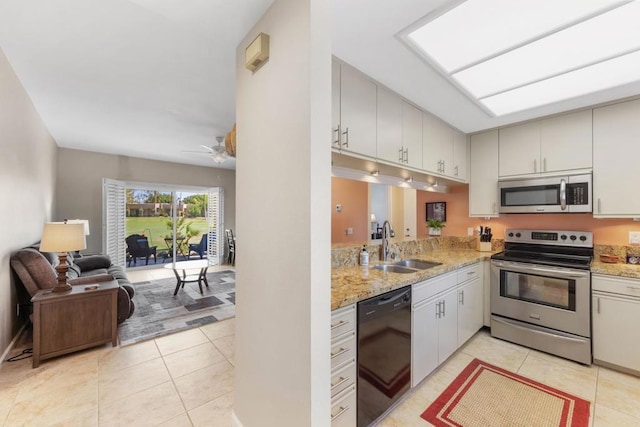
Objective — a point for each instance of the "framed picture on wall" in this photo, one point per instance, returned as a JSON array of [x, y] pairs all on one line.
[[437, 210]]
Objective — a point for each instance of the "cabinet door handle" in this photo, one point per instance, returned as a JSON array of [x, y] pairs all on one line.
[[337, 140], [461, 298], [598, 305], [340, 323], [342, 410], [544, 164], [400, 155], [535, 165], [599, 207], [339, 352], [406, 155], [438, 310], [346, 139], [455, 170], [341, 380]]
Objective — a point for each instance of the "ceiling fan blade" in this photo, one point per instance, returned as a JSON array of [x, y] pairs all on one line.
[[199, 152], [208, 148]]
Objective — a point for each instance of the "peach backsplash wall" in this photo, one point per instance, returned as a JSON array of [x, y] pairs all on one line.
[[354, 198], [605, 231]]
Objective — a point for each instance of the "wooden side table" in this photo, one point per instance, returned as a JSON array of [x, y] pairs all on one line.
[[74, 320]]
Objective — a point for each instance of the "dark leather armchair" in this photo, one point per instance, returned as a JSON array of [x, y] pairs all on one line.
[[199, 248], [138, 247], [35, 271]]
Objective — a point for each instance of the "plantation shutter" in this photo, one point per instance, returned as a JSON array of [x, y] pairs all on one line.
[[113, 220], [215, 220]]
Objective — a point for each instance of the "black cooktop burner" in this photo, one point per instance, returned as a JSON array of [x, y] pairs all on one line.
[[568, 257]]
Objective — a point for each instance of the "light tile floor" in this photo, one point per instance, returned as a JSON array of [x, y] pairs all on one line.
[[186, 379], [614, 397]]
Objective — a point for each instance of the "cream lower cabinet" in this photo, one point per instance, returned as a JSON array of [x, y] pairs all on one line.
[[343, 367], [470, 302], [434, 328], [446, 311], [616, 316]]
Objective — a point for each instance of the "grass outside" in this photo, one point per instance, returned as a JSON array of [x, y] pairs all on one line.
[[155, 229]]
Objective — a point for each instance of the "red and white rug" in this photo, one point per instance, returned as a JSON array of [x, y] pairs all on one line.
[[485, 395]]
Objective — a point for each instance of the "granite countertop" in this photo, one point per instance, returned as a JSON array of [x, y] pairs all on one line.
[[618, 269], [352, 284]]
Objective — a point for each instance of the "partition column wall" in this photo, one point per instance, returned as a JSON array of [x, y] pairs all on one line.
[[283, 268]]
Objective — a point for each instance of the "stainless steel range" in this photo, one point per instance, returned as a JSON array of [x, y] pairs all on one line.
[[541, 291]]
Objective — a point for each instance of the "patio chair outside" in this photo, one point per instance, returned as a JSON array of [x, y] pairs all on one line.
[[138, 247], [199, 248]]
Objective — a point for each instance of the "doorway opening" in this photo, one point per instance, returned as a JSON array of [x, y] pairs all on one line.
[[147, 225]]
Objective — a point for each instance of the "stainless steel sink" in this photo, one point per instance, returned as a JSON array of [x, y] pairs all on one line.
[[395, 268], [417, 263]]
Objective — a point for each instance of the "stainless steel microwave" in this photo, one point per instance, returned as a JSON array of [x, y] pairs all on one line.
[[558, 194]]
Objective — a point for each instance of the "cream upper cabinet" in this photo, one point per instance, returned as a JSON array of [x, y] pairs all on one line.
[[412, 135], [616, 149], [483, 179], [335, 104], [520, 149], [557, 144], [437, 145], [389, 126], [460, 155], [357, 128], [566, 142]]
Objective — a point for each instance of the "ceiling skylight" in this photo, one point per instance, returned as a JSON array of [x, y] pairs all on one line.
[[512, 55]]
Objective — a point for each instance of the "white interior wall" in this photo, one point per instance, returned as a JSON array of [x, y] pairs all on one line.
[[283, 177], [27, 180]]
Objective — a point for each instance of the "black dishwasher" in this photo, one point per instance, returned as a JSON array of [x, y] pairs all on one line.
[[384, 352]]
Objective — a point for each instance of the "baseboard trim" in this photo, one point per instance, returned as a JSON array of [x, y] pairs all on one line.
[[235, 422], [13, 343]]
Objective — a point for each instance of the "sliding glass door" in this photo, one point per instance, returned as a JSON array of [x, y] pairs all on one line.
[[175, 224]]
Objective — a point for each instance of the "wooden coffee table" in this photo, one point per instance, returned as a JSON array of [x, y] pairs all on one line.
[[180, 269]]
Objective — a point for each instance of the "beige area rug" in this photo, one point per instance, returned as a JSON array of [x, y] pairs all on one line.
[[485, 395]]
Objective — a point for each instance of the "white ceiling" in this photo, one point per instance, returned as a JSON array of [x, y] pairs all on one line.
[[154, 78]]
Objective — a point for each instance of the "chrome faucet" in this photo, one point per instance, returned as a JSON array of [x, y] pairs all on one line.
[[385, 239]]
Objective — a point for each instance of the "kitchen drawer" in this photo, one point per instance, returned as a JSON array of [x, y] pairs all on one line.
[[343, 376], [429, 288], [616, 285], [469, 272], [343, 408], [343, 348], [343, 320]]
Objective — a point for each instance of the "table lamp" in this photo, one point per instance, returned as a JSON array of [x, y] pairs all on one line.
[[84, 222], [62, 237]]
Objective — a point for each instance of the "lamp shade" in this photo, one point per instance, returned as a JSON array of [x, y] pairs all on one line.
[[61, 237], [84, 222]]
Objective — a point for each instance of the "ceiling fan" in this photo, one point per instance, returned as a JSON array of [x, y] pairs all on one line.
[[218, 152]]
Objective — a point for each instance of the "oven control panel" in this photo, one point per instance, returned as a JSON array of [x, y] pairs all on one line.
[[550, 237]]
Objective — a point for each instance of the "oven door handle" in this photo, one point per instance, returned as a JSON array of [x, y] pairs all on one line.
[[561, 272], [546, 333], [563, 194]]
